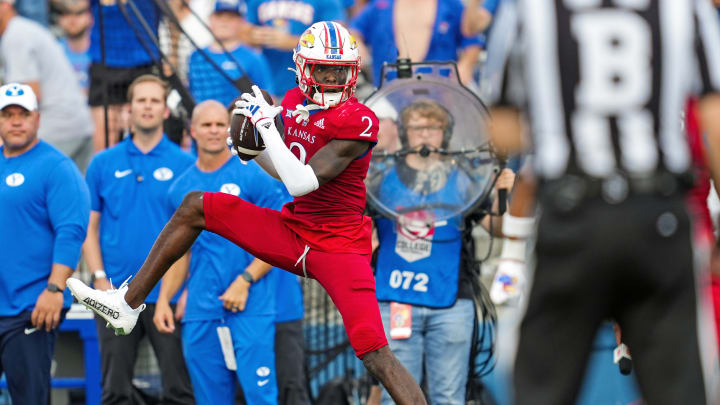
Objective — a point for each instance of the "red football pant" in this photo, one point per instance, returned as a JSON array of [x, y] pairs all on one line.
[[346, 277]]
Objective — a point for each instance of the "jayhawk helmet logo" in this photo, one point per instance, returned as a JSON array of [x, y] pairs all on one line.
[[307, 39]]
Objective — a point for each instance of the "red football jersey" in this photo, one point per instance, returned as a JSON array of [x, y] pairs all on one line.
[[331, 218]]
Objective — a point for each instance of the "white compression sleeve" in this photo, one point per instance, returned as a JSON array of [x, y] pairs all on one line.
[[299, 178], [264, 161]]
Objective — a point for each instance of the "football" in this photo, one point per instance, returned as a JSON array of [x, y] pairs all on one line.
[[246, 141]]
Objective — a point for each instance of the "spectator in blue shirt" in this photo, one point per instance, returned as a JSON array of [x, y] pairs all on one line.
[[206, 82], [230, 293], [277, 27], [128, 193], [422, 30], [125, 59], [75, 21], [44, 209]]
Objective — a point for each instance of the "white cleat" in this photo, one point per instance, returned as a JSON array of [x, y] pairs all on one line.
[[110, 305]]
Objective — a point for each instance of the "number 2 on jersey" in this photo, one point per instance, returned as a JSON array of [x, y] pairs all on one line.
[[366, 132]]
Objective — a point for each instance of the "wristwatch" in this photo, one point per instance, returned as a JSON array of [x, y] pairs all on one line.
[[97, 274], [248, 277], [52, 287]]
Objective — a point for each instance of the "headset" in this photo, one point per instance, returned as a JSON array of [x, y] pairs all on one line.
[[447, 131]]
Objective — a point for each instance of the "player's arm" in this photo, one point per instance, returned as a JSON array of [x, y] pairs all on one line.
[[709, 117], [518, 225], [334, 157], [708, 55], [171, 282], [263, 159], [325, 165], [299, 178], [708, 59]]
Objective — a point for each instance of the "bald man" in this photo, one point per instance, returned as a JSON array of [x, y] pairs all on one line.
[[228, 326]]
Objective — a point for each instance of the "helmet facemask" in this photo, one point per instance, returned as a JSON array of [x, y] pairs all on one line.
[[327, 74], [327, 84]]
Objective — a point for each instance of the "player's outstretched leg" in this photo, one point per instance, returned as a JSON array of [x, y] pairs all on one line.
[[121, 307], [401, 386], [353, 293]]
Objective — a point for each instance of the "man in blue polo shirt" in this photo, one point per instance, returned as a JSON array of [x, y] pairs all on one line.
[[44, 209], [128, 192], [229, 323], [277, 27], [206, 82]]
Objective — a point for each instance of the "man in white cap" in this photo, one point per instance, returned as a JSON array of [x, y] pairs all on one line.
[[44, 213]]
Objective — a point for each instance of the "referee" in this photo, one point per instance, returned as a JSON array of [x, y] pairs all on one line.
[[602, 83]]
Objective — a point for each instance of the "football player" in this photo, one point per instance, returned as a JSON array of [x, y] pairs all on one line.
[[322, 233]]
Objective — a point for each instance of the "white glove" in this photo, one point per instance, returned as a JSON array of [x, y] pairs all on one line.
[[255, 107], [298, 177], [509, 283]]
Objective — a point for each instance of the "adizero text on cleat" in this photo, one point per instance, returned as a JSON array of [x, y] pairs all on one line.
[[110, 305]]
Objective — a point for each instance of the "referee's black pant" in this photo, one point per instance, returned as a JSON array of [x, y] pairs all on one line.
[[634, 262]]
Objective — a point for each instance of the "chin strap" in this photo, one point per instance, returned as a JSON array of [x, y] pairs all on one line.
[[302, 112]]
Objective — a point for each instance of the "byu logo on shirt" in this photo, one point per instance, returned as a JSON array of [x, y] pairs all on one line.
[[15, 179], [229, 65], [263, 371], [163, 174], [230, 188]]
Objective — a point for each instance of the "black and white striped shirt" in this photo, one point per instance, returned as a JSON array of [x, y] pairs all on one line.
[[604, 81]]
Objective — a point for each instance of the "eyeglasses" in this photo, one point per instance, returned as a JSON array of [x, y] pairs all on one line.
[[431, 129], [75, 12]]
